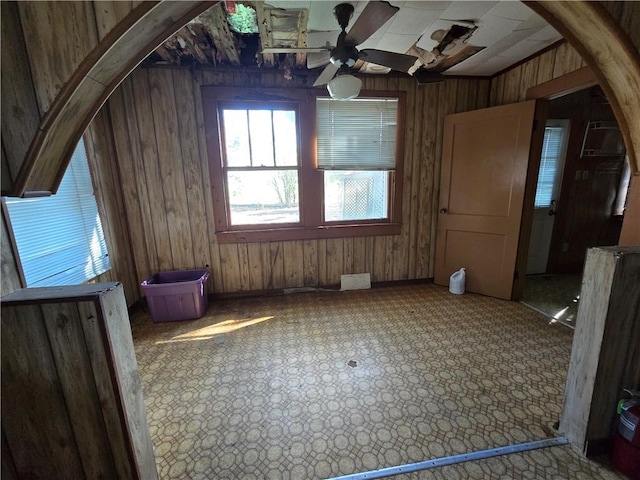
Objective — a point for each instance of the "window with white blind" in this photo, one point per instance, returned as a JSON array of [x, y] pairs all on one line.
[[356, 144], [551, 162], [291, 164], [59, 239]]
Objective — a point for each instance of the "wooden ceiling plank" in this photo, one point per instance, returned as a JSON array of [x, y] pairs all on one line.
[[195, 44], [168, 55], [215, 21], [264, 27]]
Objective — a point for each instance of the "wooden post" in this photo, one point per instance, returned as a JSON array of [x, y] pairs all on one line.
[[72, 401], [605, 357]]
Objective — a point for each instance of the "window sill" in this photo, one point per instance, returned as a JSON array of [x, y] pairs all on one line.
[[308, 233]]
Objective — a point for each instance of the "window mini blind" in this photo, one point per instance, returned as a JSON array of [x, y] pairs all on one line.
[[357, 135], [59, 238], [552, 146]]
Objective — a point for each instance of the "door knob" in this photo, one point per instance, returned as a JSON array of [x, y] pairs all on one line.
[[443, 210], [552, 213]]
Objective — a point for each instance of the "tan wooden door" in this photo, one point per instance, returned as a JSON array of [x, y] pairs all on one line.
[[482, 184]]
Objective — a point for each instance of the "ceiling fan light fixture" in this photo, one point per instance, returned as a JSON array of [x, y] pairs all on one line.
[[344, 87]]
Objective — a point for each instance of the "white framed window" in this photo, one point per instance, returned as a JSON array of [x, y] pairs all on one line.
[[59, 239], [554, 147]]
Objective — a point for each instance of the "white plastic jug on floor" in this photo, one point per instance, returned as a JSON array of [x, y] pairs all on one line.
[[456, 282]]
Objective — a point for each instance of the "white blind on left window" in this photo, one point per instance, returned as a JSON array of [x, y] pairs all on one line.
[[59, 238]]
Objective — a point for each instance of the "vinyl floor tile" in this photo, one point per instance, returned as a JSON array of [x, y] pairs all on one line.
[[315, 385]]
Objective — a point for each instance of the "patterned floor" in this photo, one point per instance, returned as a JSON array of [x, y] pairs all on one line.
[[556, 296], [322, 384]]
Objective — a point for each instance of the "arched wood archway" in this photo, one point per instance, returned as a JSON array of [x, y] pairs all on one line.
[[586, 25]]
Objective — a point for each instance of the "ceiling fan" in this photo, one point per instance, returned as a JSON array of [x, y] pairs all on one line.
[[345, 54]]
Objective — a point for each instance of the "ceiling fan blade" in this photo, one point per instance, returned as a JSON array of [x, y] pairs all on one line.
[[327, 74], [295, 49], [395, 61], [374, 15], [318, 59]]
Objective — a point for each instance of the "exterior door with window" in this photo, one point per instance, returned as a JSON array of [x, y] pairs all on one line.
[[554, 148], [484, 170]]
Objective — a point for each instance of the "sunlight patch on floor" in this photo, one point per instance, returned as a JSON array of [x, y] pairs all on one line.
[[210, 331]]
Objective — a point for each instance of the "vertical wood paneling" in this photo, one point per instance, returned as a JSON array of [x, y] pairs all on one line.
[[511, 86], [347, 256], [254, 255], [322, 262], [66, 338], [9, 276], [335, 259], [293, 264], [131, 186], [20, 112], [528, 78], [171, 163], [446, 106], [208, 225], [243, 264], [191, 166], [148, 176], [360, 255], [167, 164], [310, 270], [107, 187], [428, 200], [54, 57], [412, 187], [230, 266], [109, 13]]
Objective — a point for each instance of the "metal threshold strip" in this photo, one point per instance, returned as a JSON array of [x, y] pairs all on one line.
[[454, 459]]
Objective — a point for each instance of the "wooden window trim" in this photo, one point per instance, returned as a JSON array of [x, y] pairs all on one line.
[[311, 180]]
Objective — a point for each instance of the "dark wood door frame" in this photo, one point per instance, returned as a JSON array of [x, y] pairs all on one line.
[[544, 92]]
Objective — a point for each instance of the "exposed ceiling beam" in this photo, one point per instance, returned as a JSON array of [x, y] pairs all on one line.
[[301, 57], [264, 27]]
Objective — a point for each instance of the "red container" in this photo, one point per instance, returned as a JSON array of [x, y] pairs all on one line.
[[177, 295], [625, 457]]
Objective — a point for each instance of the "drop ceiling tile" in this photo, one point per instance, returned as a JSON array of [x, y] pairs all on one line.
[[492, 29], [369, 43], [395, 42], [547, 34], [289, 4], [508, 41], [428, 5], [321, 16], [381, 31], [465, 10], [522, 50], [534, 22], [511, 10], [412, 20], [489, 67], [320, 39]]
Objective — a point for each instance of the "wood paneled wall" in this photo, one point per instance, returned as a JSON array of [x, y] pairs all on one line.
[[512, 85], [160, 145], [43, 45]]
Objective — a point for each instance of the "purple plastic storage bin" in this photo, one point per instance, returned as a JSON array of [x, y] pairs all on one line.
[[177, 295]]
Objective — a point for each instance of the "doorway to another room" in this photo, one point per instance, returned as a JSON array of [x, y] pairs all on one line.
[[579, 203]]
